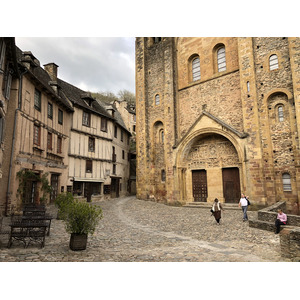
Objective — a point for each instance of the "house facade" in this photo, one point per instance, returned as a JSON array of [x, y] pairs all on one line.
[[217, 117]]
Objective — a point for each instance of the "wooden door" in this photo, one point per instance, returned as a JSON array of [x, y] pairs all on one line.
[[88, 191], [54, 185], [199, 180], [231, 185]]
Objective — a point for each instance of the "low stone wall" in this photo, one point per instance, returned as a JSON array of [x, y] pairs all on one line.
[[269, 214], [290, 243]]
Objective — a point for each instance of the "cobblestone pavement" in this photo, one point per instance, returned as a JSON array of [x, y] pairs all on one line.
[[134, 230]]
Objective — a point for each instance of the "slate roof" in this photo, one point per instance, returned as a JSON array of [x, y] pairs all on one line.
[[42, 77]]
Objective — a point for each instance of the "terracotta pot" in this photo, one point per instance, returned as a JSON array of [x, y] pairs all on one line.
[[78, 241]]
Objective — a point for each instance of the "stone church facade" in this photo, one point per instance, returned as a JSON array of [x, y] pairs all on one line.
[[217, 117]]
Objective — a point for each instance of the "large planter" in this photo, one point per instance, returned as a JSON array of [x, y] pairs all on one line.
[[78, 241]]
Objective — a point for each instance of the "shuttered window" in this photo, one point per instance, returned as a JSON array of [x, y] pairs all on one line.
[[221, 59], [196, 69], [273, 61], [36, 135], [286, 180], [49, 141]]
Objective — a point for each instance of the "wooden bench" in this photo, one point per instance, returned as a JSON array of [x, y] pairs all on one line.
[[27, 231]]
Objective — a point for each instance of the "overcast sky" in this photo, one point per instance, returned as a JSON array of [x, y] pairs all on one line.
[[97, 64]]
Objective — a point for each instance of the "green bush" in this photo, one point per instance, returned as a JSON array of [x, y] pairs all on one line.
[[81, 217], [62, 202]]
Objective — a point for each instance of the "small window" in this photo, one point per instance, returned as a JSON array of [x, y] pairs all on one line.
[[122, 135], [50, 110], [59, 144], [248, 87], [60, 116], [114, 169], [157, 101], [273, 62], [163, 175], [221, 59], [36, 135], [196, 69], [133, 128], [86, 119], [286, 180], [162, 136], [91, 144], [104, 124], [49, 141], [116, 131], [89, 166], [123, 154], [37, 100], [280, 113]]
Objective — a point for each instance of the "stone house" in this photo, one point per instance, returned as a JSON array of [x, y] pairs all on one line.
[[217, 117]]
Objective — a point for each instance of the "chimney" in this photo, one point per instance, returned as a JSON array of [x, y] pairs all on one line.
[[29, 60], [51, 69]]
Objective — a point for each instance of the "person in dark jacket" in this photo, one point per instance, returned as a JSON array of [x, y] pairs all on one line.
[[216, 210]]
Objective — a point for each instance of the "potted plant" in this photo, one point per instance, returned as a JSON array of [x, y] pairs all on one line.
[[81, 219]]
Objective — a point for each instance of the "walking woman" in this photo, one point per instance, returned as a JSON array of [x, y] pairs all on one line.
[[216, 210]]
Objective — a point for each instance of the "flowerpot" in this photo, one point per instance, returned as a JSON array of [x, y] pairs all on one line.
[[78, 241]]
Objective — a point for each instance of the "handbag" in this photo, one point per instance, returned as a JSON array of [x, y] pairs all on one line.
[[248, 201]]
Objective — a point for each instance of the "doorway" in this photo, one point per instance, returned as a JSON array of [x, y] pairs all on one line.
[[231, 185], [199, 180], [54, 185]]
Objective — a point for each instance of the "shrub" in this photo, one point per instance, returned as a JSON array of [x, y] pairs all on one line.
[[62, 202], [81, 217]]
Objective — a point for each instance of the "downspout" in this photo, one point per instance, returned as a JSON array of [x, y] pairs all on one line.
[[13, 141]]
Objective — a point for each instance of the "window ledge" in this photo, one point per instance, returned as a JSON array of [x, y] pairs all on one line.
[[38, 148]]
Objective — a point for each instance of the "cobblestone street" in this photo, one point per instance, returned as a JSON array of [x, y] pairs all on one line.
[[133, 230]]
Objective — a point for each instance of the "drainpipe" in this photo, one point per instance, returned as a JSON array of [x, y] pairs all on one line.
[[13, 141]]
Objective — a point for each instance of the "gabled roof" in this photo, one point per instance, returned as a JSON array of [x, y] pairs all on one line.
[[77, 96], [43, 78], [241, 135]]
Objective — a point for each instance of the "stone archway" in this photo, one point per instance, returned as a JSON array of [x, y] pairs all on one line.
[[215, 156]]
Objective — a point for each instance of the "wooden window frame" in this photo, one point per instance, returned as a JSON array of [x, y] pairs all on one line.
[[49, 140], [104, 124], [91, 144], [86, 119], [37, 100], [36, 135], [89, 166], [59, 144], [60, 117], [50, 111]]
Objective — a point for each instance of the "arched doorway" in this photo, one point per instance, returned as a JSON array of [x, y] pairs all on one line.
[[212, 169]]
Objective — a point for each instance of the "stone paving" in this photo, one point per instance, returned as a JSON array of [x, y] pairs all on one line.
[[134, 230]]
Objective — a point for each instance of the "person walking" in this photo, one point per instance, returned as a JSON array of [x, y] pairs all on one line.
[[216, 210], [244, 204], [280, 220]]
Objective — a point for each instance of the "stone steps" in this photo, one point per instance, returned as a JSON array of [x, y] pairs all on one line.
[[231, 206], [264, 225]]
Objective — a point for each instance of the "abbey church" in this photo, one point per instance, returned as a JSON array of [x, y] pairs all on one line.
[[217, 117]]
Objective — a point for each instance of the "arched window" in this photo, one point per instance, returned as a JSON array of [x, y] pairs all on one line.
[[280, 113], [286, 181], [273, 62], [157, 99], [221, 59], [196, 69]]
